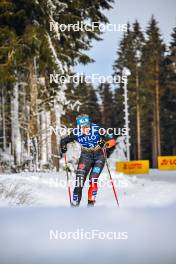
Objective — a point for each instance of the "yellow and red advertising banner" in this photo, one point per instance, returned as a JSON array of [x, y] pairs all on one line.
[[167, 163], [133, 167]]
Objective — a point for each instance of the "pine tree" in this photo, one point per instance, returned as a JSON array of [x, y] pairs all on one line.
[[138, 42], [86, 95], [29, 52], [129, 55], [93, 106], [153, 55], [106, 96], [117, 108], [168, 99]]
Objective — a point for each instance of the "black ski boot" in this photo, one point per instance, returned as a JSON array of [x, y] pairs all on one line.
[[74, 205], [91, 203]]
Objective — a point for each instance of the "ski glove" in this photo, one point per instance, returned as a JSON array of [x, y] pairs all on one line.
[[63, 149], [101, 143]]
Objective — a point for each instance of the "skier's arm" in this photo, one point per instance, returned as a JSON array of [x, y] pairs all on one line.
[[65, 141], [105, 138]]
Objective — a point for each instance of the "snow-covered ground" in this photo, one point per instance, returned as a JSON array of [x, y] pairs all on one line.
[[50, 189], [147, 215]]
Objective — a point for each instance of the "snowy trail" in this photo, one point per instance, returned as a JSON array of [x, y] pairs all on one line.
[[147, 215], [50, 189]]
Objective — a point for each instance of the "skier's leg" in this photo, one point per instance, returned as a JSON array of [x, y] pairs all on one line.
[[93, 179], [84, 166]]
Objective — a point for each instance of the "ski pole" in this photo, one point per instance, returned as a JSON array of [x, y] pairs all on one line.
[[107, 165], [68, 184]]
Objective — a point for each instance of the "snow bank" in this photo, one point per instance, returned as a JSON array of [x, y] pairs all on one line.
[[50, 189]]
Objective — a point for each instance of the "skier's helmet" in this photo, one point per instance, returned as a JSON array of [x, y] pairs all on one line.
[[83, 120]]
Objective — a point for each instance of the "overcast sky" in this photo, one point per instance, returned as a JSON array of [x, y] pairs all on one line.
[[104, 52]]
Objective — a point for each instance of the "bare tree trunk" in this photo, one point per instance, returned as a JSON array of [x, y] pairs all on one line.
[[55, 151], [43, 138], [58, 108], [15, 126], [157, 94], [33, 122], [138, 120], [154, 141], [3, 120], [48, 136], [58, 111]]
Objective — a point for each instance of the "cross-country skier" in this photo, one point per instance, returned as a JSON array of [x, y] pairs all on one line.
[[91, 160]]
